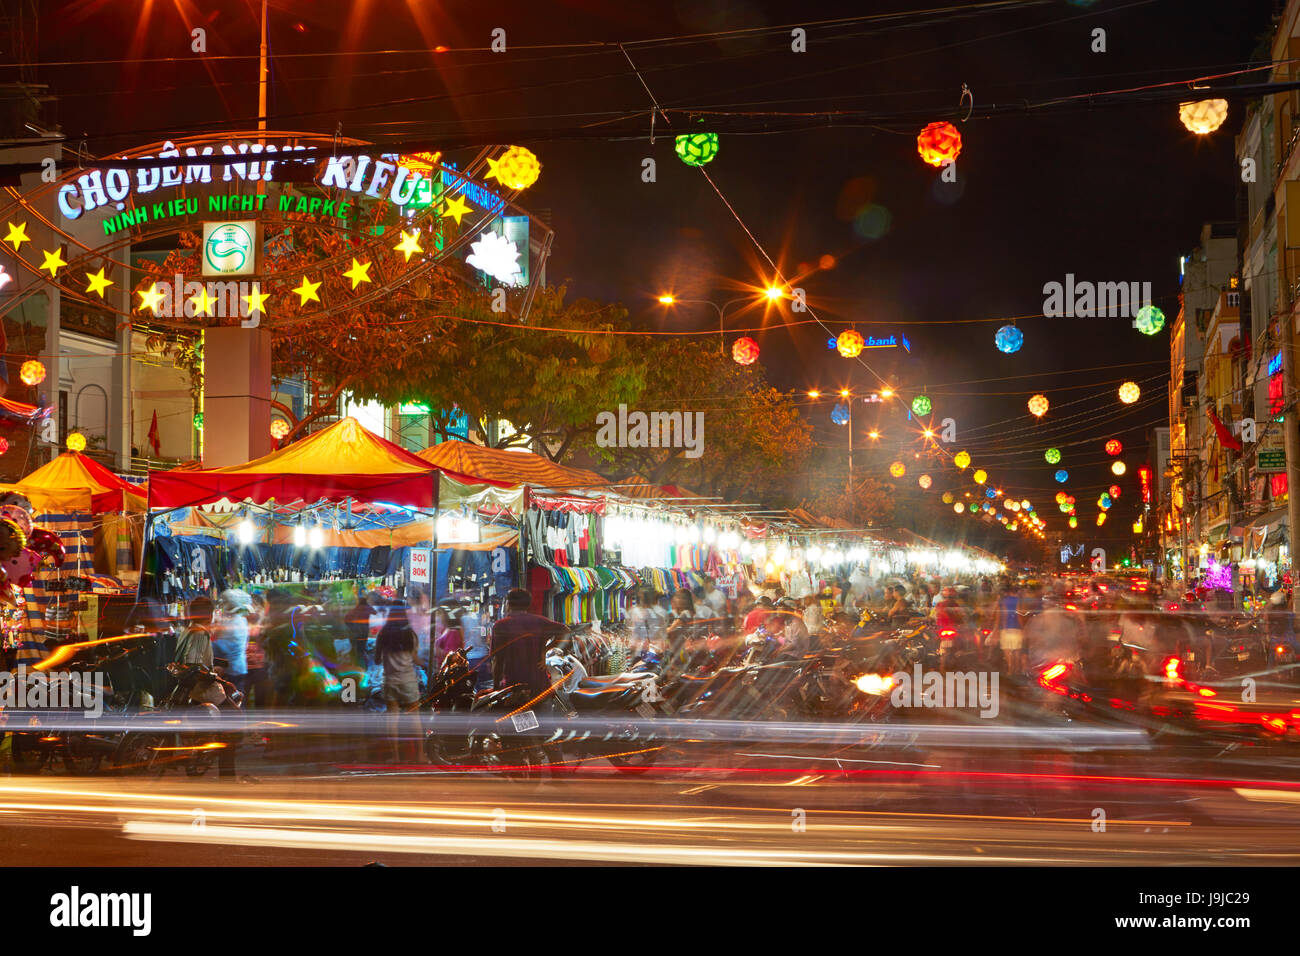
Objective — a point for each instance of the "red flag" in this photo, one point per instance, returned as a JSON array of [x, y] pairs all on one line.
[[1226, 438], [154, 438]]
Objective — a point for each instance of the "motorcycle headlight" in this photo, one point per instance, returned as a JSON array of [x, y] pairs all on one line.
[[878, 684]]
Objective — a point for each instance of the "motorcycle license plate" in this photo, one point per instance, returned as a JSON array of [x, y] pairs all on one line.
[[645, 710], [1191, 657], [1243, 657], [525, 721]]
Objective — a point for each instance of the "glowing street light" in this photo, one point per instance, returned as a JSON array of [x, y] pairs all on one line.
[[667, 299], [813, 393], [773, 293], [873, 435]]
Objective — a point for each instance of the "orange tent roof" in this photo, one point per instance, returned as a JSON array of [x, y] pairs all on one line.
[[342, 461], [637, 487], [512, 467], [70, 479]]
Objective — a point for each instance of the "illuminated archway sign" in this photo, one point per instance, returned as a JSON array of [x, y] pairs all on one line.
[[284, 188], [258, 205]]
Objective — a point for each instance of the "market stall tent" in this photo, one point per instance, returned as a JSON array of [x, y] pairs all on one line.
[[504, 465], [343, 461], [90, 509]]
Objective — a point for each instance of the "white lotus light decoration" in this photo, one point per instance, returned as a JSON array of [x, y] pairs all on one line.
[[498, 257]]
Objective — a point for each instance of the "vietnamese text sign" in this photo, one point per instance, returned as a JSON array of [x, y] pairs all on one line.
[[420, 561]]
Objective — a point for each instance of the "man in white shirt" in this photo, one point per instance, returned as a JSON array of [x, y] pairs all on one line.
[[813, 617], [714, 598]]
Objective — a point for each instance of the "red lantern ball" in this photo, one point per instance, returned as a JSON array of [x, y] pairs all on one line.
[[1113, 447], [744, 351], [1114, 491], [939, 144]]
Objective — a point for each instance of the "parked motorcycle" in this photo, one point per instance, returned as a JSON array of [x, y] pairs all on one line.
[[198, 690], [496, 736], [614, 698]]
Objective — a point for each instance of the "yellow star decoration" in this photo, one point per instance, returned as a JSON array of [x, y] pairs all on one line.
[[53, 261], [358, 273], [256, 300], [98, 283], [492, 170], [307, 291], [455, 208], [409, 245], [203, 302], [17, 235], [150, 299]]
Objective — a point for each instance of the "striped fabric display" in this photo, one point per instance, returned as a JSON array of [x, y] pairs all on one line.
[[48, 612]]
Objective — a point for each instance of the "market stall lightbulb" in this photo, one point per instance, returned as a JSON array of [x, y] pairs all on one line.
[[316, 538], [299, 536], [245, 532]]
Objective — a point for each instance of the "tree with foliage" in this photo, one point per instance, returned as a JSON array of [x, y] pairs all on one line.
[[754, 440], [548, 377]]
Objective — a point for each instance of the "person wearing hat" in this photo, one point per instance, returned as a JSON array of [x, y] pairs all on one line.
[[759, 614], [231, 641], [194, 643]]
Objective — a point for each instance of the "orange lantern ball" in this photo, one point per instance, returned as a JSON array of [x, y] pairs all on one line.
[[279, 429], [939, 143], [924, 482], [32, 372], [744, 351], [850, 344], [1038, 406], [897, 469]]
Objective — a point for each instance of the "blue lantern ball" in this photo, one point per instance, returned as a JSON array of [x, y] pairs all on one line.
[[1009, 339], [1062, 476], [840, 414], [990, 493]]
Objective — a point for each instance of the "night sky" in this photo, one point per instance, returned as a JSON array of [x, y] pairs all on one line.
[[1107, 193]]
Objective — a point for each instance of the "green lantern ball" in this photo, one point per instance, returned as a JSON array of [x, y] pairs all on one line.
[[1053, 455], [921, 405], [1149, 320], [697, 149]]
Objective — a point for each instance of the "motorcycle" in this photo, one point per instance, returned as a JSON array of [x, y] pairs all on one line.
[[486, 741], [624, 744], [198, 689]]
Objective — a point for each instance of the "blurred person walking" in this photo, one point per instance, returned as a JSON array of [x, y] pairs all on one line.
[[232, 635], [395, 651]]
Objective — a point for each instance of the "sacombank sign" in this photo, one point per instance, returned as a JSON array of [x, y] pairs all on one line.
[[382, 178]]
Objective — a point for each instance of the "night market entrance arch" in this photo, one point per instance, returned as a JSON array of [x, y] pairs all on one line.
[[281, 228]]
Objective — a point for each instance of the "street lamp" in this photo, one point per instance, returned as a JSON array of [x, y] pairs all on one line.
[[847, 395], [668, 299]]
